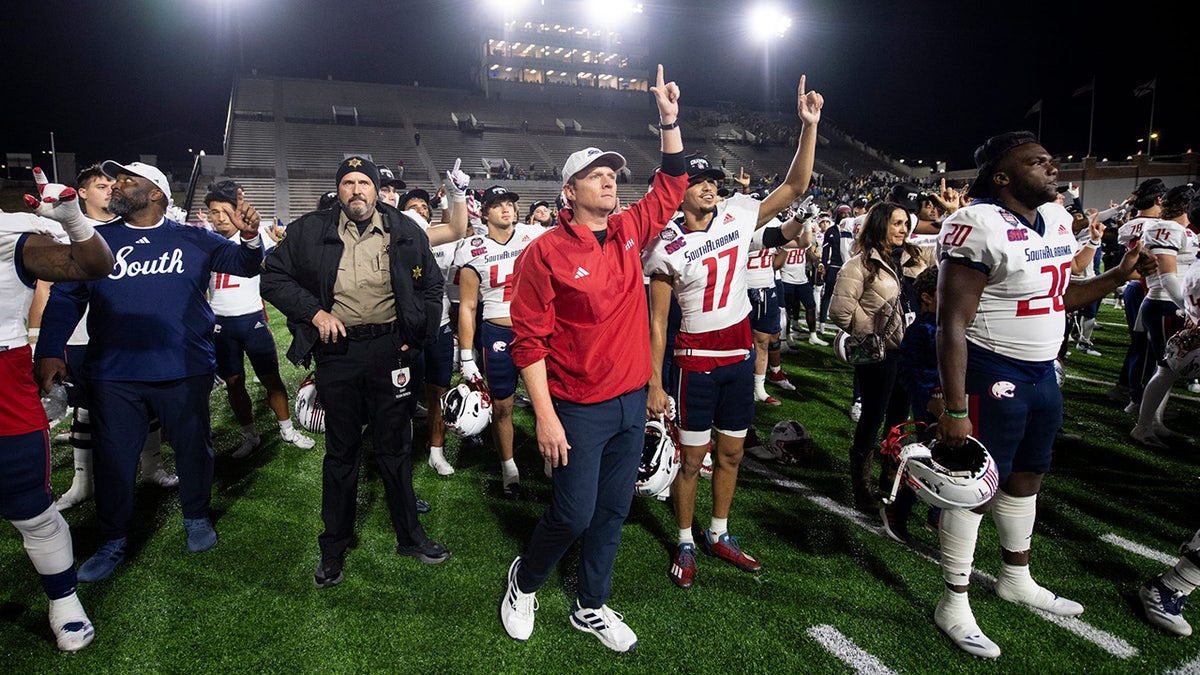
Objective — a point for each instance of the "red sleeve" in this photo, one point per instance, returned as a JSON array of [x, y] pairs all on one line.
[[650, 214], [532, 307]]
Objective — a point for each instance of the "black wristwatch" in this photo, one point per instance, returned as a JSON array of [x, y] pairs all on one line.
[[667, 127]]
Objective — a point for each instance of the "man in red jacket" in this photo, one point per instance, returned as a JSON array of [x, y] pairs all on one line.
[[582, 342]]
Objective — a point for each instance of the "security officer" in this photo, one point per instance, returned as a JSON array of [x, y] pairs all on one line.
[[362, 295]]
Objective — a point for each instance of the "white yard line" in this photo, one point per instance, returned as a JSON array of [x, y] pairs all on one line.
[[847, 652], [1182, 397], [1144, 551], [1102, 639], [1190, 668]]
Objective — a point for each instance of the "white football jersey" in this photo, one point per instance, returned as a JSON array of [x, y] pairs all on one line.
[[1191, 292], [708, 267], [1132, 230], [16, 288], [760, 267], [231, 295], [444, 255], [1185, 257], [1169, 238], [795, 266], [1021, 313], [493, 262], [851, 225]]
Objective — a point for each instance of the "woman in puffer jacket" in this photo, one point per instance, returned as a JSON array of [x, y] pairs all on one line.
[[870, 297]]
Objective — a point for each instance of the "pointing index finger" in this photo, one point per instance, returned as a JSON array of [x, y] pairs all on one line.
[[660, 82]]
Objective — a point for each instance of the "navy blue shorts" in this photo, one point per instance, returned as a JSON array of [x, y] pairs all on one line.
[[1016, 421], [764, 310], [796, 296], [439, 358], [236, 337], [498, 365], [25, 479], [1161, 321], [721, 398]]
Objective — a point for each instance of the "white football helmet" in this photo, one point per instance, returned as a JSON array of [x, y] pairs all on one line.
[[310, 414], [1182, 354], [941, 476], [660, 459], [466, 409], [706, 467]]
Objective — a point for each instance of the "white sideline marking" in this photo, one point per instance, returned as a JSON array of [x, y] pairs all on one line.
[[1190, 668], [1144, 551], [846, 651], [1182, 397], [1102, 639]]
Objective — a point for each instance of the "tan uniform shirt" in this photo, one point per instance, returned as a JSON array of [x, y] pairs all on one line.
[[362, 292]]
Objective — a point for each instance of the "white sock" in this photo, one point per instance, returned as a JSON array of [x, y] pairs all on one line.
[[47, 540], [509, 472], [1014, 517], [718, 527], [685, 536], [760, 385], [774, 369], [958, 531], [1085, 330], [285, 426], [1185, 576], [1154, 397]]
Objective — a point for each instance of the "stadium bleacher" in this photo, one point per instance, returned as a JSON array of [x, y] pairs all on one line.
[[285, 138]]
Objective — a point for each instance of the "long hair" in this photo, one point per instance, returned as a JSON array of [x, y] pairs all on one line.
[[874, 237]]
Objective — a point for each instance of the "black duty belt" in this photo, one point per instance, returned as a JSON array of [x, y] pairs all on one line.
[[370, 331]]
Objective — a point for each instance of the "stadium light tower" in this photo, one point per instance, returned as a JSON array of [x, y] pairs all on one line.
[[613, 13]]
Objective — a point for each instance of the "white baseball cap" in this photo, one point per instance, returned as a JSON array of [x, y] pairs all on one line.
[[150, 173], [589, 157]]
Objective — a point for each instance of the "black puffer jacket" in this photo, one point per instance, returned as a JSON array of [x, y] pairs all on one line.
[[298, 278]]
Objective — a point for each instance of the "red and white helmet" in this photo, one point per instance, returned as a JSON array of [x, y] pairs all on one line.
[[467, 409], [660, 458], [309, 412], [941, 476], [1182, 354]]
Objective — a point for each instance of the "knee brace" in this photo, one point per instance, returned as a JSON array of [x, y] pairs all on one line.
[[1014, 518]]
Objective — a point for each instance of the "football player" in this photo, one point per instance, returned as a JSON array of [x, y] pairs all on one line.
[[241, 331], [1147, 201], [701, 258], [1163, 597], [33, 248], [486, 268], [1004, 285], [1171, 297]]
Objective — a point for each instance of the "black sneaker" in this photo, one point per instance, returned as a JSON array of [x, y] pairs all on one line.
[[429, 552], [422, 506], [512, 491], [329, 572]]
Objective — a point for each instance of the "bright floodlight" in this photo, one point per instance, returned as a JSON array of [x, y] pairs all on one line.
[[506, 7], [611, 13], [767, 21]]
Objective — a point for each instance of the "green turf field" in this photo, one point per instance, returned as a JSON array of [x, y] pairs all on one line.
[[249, 605]]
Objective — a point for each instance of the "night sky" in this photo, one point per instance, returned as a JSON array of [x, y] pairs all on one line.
[[927, 80]]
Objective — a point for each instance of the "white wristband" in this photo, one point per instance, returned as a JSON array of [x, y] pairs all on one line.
[[1094, 243], [79, 231], [466, 355]]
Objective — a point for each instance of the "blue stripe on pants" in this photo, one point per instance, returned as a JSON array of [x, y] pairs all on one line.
[[592, 494]]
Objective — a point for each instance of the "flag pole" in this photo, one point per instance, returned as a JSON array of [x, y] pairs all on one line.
[[1092, 117], [1150, 132]]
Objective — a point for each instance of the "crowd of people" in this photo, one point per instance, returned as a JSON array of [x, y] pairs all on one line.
[[953, 303]]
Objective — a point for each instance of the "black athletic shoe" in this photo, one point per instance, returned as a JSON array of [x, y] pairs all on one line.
[[329, 573], [429, 552], [422, 506]]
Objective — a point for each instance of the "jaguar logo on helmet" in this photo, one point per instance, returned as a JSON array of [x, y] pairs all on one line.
[[310, 414], [466, 409], [941, 476]]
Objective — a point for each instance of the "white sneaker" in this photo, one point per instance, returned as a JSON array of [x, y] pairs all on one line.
[[960, 627], [1038, 597], [1146, 436], [1164, 607], [72, 628], [856, 410], [517, 608], [1132, 408], [779, 379], [605, 624], [437, 461], [1086, 348], [161, 477], [814, 339], [1194, 386], [249, 443], [297, 439]]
